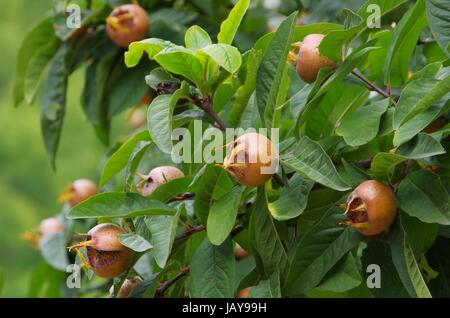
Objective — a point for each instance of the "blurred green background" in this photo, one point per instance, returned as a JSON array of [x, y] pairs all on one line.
[[28, 186]]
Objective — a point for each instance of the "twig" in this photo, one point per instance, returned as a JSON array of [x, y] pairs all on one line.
[[372, 86], [183, 196], [189, 232], [168, 283], [206, 105]]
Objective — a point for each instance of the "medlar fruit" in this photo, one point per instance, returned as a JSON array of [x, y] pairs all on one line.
[[252, 160], [309, 60], [371, 208], [107, 257], [157, 177], [77, 192], [126, 24]]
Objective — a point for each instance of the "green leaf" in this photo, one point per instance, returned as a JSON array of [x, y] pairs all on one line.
[[439, 259], [147, 288], [421, 236], [213, 271], [163, 229], [361, 126], [421, 146], [404, 38], [54, 101], [135, 242], [150, 46], [182, 61], [384, 163], [293, 199], [318, 251], [423, 196], [171, 189], [378, 253], [245, 91], [222, 216], [160, 117], [268, 248], [418, 96], [119, 159], [270, 72], [406, 265], [438, 17], [196, 38], [133, 163], [34, 40], [269, 288], [230, 25], [118, 205], [308, 158], [204, 191], [36, 67], [54, 250], [226, 56], [343, 277]]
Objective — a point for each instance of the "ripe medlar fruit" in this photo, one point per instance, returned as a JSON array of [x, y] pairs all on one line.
[[77, 192], [309, 60], [252, 160], [371, 208], [126, 24], [107, 257], [157, 177]]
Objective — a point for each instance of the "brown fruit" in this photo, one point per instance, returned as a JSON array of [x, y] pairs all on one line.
[[309, 61], [77, 192], [371, 208], [240, 253], [253, 159], [126, 24], [128, 286], [137, 118], [107, 257], [157, 177], [51, 226]]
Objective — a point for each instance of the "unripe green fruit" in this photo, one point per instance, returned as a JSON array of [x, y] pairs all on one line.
[[126, 24], [252, 160], [371, 207], [309, 60], [157, 177]]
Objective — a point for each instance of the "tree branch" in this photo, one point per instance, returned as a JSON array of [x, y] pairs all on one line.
[[206, 105], [190, 231], [371, 86], [168, 283]]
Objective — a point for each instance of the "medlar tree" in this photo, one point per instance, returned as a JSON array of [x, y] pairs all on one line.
[[363, 179]]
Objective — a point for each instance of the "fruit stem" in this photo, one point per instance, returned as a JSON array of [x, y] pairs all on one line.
[[80, 245], [372, 86], [168, 283]]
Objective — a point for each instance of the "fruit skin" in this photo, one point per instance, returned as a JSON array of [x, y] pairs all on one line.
[[240, 253], [126, 24], [107, 257], [251, 153], [159, 176], [377, 205], [78, 191], [128, 286], [244, 292], [51, 226], [309, 60]]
